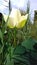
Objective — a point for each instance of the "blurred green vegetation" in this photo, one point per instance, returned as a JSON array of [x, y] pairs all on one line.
[[19, 55]]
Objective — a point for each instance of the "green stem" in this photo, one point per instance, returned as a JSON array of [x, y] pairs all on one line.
[[14, 43]]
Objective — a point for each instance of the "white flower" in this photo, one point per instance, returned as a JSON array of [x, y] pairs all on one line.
[[15, 19]]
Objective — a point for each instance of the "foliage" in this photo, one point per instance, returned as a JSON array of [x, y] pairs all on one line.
[[15, 48]]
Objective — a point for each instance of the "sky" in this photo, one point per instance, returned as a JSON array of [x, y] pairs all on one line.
[[20, 4]]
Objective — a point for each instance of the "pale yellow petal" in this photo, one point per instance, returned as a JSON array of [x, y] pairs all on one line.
[[23, 17], [21, 24], [10, 23], [15, 14], [22, 21]]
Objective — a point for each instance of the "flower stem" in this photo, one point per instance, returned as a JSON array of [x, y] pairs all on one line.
[[14, 43]]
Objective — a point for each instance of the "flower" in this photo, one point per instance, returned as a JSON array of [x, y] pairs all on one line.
[[15, 19]]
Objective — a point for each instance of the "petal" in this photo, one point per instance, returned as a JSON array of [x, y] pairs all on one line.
[[23, 17], [15, 14], [22, 21], [21, 24], [10, 21]]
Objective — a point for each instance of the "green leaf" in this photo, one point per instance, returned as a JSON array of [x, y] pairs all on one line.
[[1, 49], [1, 36], [19, 50], [28, 44]]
